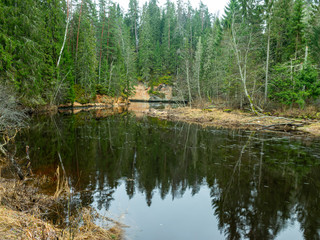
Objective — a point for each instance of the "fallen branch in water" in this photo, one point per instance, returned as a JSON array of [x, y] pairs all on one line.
[[288, 126]]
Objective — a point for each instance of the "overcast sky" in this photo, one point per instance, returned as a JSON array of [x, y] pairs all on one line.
[[214, 6]]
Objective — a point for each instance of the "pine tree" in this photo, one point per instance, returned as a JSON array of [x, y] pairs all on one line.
[[146, 45], [169, 41], [296, 32], [132, 20]]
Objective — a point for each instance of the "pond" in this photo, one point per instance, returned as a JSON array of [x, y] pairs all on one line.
[[173, 180]]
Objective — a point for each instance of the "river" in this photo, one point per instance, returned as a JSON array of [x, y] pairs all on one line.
[[172, 180]]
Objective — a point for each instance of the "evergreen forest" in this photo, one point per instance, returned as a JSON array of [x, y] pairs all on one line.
[[255, 54]]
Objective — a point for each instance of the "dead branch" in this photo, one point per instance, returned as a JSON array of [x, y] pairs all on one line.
[[283, 126], [6, 140], [16, 165]]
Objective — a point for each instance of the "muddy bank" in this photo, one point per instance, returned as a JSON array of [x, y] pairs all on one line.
[[237, 119]]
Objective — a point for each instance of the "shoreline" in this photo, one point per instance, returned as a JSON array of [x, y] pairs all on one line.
[[214, 117], [236, 119], [26, 210], [20, 200]]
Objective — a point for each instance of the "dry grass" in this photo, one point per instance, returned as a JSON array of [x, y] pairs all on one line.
[[24, 212], [20, 225], [227, 118], [313, 129], [24, 196], [24, 226], [89, 230], [309, 112]]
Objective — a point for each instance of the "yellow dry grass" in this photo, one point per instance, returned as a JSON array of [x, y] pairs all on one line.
[[20, 225], [313, 128], [236, 119], [89, 230], [21, 215]]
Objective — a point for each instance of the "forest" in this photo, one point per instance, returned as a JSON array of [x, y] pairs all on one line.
[[256, 55]]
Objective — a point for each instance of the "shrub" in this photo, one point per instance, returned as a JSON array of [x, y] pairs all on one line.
[[295, 86]]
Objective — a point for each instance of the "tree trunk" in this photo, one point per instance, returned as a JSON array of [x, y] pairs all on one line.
[[108, 38], [243, 66], [306, 55], [104, 17], [111, 68], [267, 68], [188, 81], [65, 34], [136, 28], [78, 30], [169, 34]]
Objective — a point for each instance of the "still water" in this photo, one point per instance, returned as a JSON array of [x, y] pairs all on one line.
[[169, 180]]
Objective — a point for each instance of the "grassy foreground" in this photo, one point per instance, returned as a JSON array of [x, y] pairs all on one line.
[[25, 212]]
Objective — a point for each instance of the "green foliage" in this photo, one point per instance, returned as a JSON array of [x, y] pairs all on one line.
[[81, 95], [72, 93], [294, 87], [174, 44], [165, 79], [156, 93], [102, 90]]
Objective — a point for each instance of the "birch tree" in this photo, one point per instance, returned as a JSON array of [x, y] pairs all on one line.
[[241, 44], [65, 34], [197, 67], [269, 5]]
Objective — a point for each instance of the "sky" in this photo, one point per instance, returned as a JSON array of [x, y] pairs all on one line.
[[214, 6]]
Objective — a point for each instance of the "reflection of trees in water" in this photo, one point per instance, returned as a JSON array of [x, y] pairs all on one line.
[[257, 182], [308, 201]]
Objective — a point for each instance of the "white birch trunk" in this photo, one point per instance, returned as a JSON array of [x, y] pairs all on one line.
[[267, 68], [242, 65], [65, 36], [188, 81]]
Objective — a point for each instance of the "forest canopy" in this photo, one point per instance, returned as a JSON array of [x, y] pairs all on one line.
[[257, 52]]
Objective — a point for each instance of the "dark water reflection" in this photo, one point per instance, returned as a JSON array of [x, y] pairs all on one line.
[[206, 183]]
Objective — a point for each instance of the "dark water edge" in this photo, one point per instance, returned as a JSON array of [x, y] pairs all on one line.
[[170, 180]]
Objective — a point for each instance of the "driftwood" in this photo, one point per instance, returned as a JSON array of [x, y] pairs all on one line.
[[282, 118], [285, 127], [290, 125]]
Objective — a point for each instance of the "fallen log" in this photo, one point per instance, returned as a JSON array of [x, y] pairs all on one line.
[[286, 127]]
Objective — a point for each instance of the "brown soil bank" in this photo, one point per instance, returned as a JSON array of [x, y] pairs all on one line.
[[25, 212], [99, 102], [237, 119]]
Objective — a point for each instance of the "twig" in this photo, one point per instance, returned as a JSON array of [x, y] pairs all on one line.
[[16, 166]]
